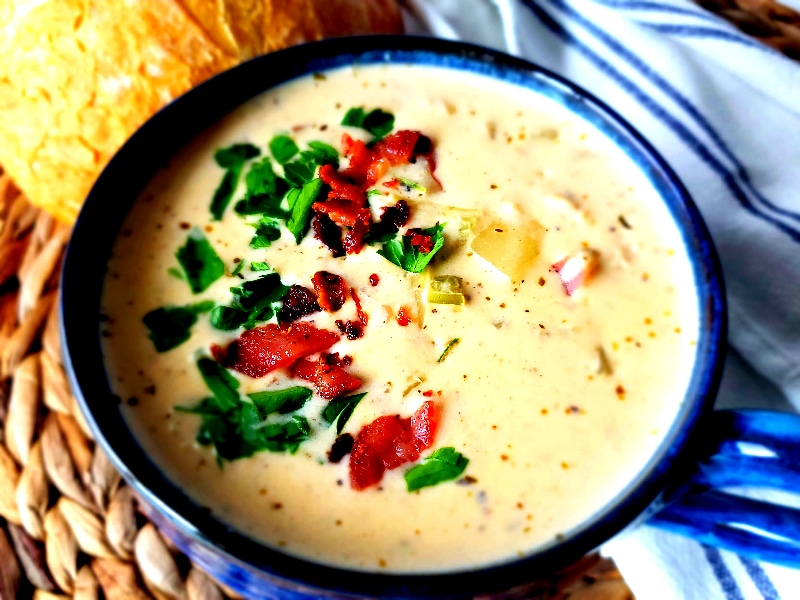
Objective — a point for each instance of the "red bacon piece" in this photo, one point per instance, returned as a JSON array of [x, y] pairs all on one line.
[[331, 290], [327, 232], [389, 442], [340, 188], [354, 239], [368, 165], [342, 212], [420, 240], [258, 351], [329, 380]]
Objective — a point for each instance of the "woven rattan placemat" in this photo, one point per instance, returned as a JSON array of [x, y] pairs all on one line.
[[69, 527]]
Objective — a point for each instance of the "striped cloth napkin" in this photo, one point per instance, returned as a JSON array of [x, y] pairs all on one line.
[[724, 111]]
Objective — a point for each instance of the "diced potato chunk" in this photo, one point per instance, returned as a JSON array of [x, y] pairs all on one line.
[[510, 248]]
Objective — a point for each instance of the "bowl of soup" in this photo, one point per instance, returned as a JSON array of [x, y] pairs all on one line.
[[391, 317]]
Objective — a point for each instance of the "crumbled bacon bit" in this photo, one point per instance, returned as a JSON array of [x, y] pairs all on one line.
[[340, 188], [420, 240], [403, 318], [354, 240], [331, 290], [334, 359], [329, 381], [352, 329], [398, 214], [342, 212], [298, 302], [327, 232], [362, 316], [374, 279], [341, 446]]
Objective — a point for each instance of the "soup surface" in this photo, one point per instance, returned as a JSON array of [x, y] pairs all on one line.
[[543, 350]]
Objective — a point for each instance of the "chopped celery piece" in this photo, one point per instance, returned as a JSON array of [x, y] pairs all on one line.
[[445, 289]]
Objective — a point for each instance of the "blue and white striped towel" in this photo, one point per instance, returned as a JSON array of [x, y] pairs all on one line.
[[725, 112]]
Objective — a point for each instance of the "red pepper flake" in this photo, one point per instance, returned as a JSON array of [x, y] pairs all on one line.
[[392, 183], [374, 279], [331, 290], [363, 317], [334, 359], [620, 392], [427, 393], [403, 318]]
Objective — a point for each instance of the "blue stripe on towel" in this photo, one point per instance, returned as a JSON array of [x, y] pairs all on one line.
[[723, 575], [657, 7], [695, 31], [760, 579], [661, 114], [668, 89]]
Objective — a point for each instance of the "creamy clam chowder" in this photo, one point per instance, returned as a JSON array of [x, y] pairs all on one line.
[[440, 335]]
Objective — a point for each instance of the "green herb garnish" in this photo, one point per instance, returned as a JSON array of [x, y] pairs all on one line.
[[236, 428], [340, 409], [238, 268], [283, 148], [281, 401], [298, 174], [176, 273], [321, 154], [259, 266], [200, 262], [267, 231], [265, 190], [443, 465], [377, 122], [170, 326], [231, 159], [410, 185], [408, 257], [300, 202], [447, 349], [254, 301]]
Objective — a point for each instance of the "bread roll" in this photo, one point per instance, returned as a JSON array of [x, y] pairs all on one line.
[[78, 77]]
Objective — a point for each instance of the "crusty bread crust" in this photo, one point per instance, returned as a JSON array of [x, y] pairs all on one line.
[[77, 77]]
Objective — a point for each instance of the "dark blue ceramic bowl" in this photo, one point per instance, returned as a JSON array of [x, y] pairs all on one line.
[[253, 569]]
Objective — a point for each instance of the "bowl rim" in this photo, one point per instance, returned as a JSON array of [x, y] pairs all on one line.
[[175, 125]]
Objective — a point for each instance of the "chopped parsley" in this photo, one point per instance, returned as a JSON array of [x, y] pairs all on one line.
[[267, 231], [170, 326], [238, 268], [443, 465], [231, 159], [377, 121], [300, 201], [176, 273], [200, 262], [238, 428], [259, 266], [339, 410], [254, 301], [447, 349], [401, 253], [265, 191], [283, 148], [298, 173], [281, 401]]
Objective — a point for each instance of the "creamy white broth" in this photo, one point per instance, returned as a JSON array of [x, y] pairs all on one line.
[[551, 436]]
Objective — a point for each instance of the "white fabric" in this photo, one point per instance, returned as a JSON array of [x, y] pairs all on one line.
[[725, 113]]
